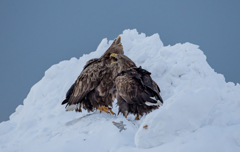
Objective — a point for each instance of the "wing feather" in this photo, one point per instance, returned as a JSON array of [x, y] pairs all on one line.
[[88, 80], [137, 86], [128, 88], [91, 61]]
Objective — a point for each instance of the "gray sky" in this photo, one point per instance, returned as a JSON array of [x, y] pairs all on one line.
[[35, 35]]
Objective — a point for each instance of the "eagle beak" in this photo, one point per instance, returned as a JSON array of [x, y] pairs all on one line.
[[118, 41], [113, 55], [113, 63]]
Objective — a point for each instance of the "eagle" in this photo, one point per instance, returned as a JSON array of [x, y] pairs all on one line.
[[94, 87], [136, 92]]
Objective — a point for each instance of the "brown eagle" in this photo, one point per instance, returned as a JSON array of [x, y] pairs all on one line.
[[93, 88], [136, 92]]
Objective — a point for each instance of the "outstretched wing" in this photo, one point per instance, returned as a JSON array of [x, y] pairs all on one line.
[[89, 79]]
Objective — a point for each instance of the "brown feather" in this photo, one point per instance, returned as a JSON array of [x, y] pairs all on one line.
[[135, 88], [94, 85]]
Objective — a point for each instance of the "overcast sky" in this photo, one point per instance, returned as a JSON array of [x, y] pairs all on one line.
[[37, 34]]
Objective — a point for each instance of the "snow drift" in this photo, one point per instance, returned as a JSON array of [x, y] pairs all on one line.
[[201, 112]]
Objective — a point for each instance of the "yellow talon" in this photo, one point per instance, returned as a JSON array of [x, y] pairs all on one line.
[[137, 117], [118, 41], [126, 114], [106, 109], [112, 112], [100, 109]]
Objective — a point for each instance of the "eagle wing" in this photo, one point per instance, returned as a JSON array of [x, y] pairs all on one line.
[[127, 88], [89, 79], [153, 88], [91, 62], [137, 87], [131, 88]]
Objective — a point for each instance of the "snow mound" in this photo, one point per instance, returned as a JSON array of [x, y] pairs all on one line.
[[201, 112]]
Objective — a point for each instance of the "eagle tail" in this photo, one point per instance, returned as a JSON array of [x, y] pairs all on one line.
[[76, 107], [155, 94], [155, 103], [158, 97], [65, 101], [70, 107]]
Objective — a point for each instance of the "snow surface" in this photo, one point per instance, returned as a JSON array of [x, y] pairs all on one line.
[[201, 112]]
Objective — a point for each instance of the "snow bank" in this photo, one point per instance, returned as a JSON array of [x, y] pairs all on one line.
[[201, 112]]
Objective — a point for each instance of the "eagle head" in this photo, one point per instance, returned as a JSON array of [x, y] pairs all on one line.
[[123, 61], [116, 47]]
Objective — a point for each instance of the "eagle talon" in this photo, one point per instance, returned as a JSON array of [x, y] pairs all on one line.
[[106, 109], [126, 114], [137, 117], [110, 109], [101, 108], [112, 112]]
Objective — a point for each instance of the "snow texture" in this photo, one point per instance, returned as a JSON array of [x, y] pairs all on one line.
[[201, 112]]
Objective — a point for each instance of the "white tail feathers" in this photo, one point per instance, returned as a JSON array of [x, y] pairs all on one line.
[[74, 107], [153, 104], [71, 107]]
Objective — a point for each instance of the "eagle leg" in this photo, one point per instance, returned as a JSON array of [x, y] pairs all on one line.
[[137, 117], [106, 109], [78, 110], [100, 108], [126, 114], [112, 112]]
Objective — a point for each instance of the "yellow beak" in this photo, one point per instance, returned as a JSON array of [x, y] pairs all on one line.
[[113, 55], [113, 63], [119, 40]]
